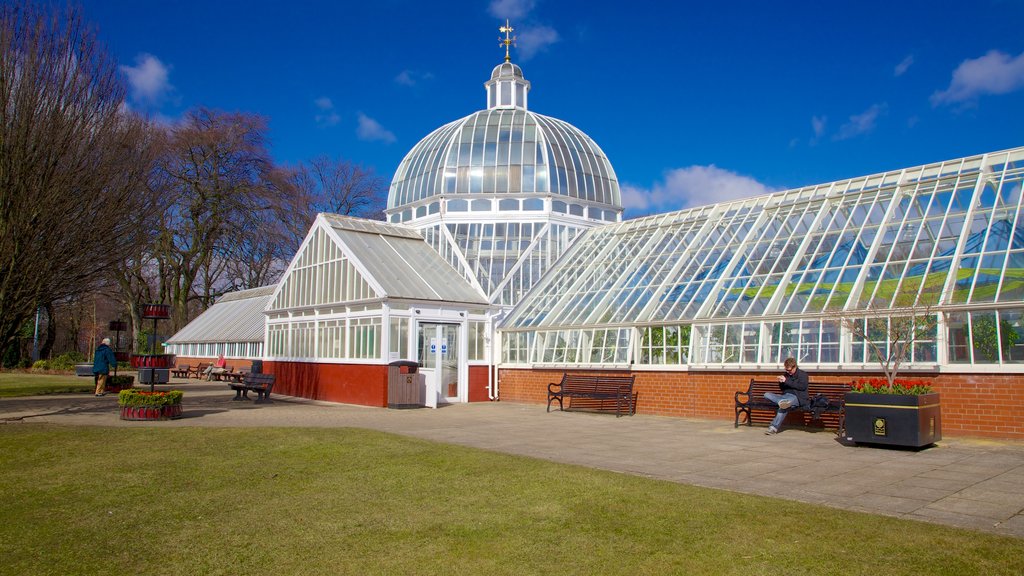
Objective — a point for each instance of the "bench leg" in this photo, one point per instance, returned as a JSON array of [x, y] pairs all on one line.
[[741, 410], [559, 398]]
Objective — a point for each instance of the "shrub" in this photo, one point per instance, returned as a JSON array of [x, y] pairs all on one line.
[[134, 397], [66, 361], [120, 381], [41, 365]]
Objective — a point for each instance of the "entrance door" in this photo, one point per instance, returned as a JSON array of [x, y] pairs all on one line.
[[439, 359]]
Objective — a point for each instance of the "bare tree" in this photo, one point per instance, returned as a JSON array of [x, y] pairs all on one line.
[[71, 160], [341, 187], [215, 177], [890, 333]]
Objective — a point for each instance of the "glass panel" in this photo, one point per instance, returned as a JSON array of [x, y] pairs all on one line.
[[985, 337], [957, 338], [1011, 323]]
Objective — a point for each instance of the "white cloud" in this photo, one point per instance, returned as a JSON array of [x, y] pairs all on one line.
[[511, 9], [412, 77], [993, 73], [327, 116], [862, 123], [534, 40], [371, 130], [818, 125], [903, 66], [148, 81], [530, 40], [691, 186]]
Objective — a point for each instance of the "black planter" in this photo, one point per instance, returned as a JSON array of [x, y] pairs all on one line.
[[912, 421]]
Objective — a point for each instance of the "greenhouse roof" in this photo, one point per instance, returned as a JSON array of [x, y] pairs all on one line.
[[236, 317], [400, 263], [946, 234]]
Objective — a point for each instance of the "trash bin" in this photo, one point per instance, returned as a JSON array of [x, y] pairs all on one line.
[[404, 384]]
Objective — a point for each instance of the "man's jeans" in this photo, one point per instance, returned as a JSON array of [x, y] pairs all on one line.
[[780, 415]]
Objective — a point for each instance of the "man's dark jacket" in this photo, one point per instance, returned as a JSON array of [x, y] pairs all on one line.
[[796, 383], [103, 360]]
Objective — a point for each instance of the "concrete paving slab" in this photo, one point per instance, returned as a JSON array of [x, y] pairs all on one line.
[[995, 511]]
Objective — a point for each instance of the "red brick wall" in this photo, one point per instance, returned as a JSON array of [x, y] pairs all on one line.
[[972, 405]]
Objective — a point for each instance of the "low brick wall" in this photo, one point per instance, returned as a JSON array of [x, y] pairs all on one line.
[[987, 405]]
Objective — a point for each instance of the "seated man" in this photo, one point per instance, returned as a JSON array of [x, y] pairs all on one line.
[[793, 388], [218, 367]]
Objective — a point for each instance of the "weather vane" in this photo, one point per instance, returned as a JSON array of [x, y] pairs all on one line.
[[508, 40]]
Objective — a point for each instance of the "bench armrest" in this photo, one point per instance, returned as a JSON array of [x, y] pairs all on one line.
[[557, 385]]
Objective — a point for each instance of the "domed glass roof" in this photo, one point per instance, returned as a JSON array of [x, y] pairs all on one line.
[[505, 150]]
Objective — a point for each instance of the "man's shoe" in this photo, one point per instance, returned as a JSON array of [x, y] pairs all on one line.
[[785, 404], [102, 394], [771, 430]]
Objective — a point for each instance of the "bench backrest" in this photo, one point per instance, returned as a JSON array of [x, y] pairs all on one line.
[[834, 392], [203, 366], [601, 384], [259, 380]]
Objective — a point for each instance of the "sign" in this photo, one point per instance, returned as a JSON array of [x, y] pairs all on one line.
[[444, 346], [878, 426]]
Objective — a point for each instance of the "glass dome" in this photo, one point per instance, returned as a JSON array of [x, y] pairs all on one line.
[[505, 150]]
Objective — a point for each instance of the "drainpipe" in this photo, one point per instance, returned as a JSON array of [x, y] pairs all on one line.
[[492, 368]]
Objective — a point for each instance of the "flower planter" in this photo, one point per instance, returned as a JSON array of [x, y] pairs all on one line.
[[908, 420], [156, 311], [118, 383], [142, 405], [152, 361], [171, 412]]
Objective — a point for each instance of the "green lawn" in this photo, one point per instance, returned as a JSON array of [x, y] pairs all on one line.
[[26, 384], [82, 500]]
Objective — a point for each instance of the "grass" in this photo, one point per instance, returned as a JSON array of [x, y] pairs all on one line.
[[84, 500], [24, 384]]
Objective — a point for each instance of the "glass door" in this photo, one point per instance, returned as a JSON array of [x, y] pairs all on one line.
[[439, 359]]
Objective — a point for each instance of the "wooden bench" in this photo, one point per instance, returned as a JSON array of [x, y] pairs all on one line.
[[754, 406], [198, 370], [261, 384], [222, 375], [594, 391], [182, 371], [232, 376]]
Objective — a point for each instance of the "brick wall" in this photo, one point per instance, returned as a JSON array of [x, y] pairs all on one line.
[[972, 405]]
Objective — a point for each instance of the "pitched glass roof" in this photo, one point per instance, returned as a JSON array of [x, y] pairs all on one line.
[[946, 233], [398, 261]]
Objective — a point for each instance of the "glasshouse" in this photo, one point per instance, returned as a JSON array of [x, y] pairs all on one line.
[[504, 263]]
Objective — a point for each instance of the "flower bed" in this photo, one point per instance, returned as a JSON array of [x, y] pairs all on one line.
[[899, 386], [143, 405]]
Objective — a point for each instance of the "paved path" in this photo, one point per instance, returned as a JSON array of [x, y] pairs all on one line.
[[960, 482]]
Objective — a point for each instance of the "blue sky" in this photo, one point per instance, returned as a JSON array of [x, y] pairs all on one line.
[[693, 102]]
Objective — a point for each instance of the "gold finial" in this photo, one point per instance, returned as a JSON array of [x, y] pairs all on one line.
[[508, 40]]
